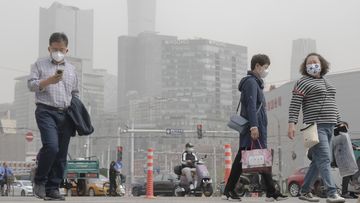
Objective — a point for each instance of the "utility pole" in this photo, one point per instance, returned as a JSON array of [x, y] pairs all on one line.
[[88, 138], [132, 153], [279, 153], [215, 166], [108, 160]]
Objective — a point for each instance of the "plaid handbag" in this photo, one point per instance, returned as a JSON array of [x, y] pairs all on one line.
[[257, 160]]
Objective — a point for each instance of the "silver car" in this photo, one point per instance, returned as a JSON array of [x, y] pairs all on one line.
[[21, 188]]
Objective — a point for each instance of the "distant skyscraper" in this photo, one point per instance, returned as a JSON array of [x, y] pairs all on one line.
[[75, 23], [300, 48], [110, 93], [197, 78], [200, 78], [139, 63], [24, 105], [141, 16]]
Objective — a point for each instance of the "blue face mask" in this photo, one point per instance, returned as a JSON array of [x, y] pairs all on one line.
[[313, 69]]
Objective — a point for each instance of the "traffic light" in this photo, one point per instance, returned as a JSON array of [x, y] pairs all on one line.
[[119, 153], [199, 131]]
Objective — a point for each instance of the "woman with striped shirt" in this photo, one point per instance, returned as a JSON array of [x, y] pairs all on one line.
[[316, 96]]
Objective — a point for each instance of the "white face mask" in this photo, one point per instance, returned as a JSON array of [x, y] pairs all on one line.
[[313, 69], [264, 73], [58, 56]]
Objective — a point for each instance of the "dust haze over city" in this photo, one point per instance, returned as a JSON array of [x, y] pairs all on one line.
[[136, 76]]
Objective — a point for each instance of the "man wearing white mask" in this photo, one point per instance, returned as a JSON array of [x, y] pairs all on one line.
[[254, 136], [54, 82]]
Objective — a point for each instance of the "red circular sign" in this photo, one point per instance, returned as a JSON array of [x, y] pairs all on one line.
[[29, 136]]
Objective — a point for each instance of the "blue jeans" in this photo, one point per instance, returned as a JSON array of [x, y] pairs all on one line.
[[56, 129], [321, 159]]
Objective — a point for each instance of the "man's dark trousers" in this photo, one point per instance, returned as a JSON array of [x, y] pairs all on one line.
[[56, 128]]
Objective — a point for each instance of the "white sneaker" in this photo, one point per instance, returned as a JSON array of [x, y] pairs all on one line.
[[269, 199], [335, 198], [309, 197], [192, 187]]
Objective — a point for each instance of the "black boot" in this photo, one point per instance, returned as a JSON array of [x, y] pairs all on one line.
[[234, 176]]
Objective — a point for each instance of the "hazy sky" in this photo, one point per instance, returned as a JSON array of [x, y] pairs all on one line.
[[264, 26]]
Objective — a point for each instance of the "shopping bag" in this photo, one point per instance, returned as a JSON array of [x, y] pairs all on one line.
[[344, 155], [310, 135], [257, 160]]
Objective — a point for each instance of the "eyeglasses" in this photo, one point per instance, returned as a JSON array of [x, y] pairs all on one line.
[[63, 50]]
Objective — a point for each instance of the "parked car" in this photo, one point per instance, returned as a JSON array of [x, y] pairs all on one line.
[[296, 180], [22, 188], [164, 184], [94, 186]]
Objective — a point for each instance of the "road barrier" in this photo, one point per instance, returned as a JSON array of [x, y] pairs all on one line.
[[150, 181], [227, 162]]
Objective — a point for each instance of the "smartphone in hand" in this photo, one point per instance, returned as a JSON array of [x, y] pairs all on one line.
[[59, 71]]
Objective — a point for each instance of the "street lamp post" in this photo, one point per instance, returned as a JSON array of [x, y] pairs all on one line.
[[279, 152]]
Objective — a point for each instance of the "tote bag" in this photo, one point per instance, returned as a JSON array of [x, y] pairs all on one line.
[[310, 135], [257, 160]]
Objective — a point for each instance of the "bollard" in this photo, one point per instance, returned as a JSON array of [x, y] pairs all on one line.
[[227, 162], [150, 181]]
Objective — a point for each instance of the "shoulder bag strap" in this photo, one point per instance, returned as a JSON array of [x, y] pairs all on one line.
[[322, 104]]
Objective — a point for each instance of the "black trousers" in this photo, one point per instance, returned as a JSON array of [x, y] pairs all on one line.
[[236, 170], [345, 184], [112, 185]]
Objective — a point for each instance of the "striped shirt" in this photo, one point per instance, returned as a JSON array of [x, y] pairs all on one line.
[[317, 99], [56, 95]]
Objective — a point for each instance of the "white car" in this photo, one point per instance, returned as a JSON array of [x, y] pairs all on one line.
[[22, 188]]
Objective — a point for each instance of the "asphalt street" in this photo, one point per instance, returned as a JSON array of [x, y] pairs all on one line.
[[157, 199]]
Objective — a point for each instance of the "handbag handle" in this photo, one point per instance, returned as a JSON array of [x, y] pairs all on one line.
[[252, 144]]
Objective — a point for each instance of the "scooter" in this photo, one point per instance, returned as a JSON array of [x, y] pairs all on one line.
[[202, 183], [120, 186], [249, 183], [120, 183]]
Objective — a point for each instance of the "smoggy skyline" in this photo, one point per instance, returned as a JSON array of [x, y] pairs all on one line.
[[264, 26]]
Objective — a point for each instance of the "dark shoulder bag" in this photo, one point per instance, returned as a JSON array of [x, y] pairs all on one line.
[[238, 122]]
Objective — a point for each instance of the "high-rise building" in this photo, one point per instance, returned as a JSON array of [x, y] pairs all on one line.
[[110, 93], [139, 66], [24, 107], [200, 79], [93, 91], [141, 16], [75, 23], [300, 48]]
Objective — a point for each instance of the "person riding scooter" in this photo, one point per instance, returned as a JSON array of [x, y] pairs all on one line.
[[114, 171], [188, 160]]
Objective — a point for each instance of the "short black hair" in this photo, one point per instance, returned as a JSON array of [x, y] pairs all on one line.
[[261, 59], [58, 37]]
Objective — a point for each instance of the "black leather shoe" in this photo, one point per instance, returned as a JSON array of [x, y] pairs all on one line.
[[39, 190], [54, 195], [231, 195], [349, 196]]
